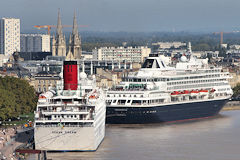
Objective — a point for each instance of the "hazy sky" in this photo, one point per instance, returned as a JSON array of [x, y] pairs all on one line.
[[129, 15]]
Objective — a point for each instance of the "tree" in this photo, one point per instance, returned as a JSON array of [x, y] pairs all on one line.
[[236, 90], [17, 97]]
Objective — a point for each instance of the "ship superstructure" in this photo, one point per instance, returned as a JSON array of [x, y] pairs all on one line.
[[159, 93], [71, 117]]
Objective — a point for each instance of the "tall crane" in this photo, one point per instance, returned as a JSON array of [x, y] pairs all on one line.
[[49, 27], [221, 35]]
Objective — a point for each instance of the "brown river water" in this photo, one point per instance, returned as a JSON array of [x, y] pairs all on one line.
[[216, 138]]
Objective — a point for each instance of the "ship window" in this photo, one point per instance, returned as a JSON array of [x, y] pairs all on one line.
[[128, 101], [136, 102], [148, 63], [122, 101], [114, 101]]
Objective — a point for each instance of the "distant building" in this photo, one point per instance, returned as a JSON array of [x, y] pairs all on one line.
[[87, 55], [3, 59], [35, 43], [129, 54], [167, 45], [9, 35], [54, 64], [235, 46], [42, 81], [35, 56], [201, 54], [224, 45], [234, 80]]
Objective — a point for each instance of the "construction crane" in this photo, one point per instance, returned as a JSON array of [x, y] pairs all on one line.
[[221, 35], [49, 27]]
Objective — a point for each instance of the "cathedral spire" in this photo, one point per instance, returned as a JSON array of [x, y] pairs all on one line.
[[59, 43], [75, 40], [75, 26], [59, 24]]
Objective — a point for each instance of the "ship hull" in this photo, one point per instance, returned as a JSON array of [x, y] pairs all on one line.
[[163, 113], [68, 138]]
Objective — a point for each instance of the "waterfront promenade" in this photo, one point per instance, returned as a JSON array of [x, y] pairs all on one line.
[[7, 142], [10, 139], [232, 105]]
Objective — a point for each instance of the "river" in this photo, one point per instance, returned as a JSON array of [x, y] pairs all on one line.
[[216, 138]]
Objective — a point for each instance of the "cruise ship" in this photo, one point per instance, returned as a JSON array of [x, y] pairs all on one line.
[[189, 89], [71, 117]]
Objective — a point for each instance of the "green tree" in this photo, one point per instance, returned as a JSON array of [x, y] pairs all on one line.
[[236, 90], [16, 97]]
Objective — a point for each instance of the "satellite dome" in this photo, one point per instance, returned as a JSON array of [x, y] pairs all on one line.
[[83, 75], [183, 59]]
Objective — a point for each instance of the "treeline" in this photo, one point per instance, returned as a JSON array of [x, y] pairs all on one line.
[[236, 90], [16, 97], [200, 41]]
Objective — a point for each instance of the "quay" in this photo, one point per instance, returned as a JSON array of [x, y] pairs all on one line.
[[232, 105], [11, 138]]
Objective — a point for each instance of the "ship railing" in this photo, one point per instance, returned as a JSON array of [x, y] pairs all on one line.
[[83, 125], [82, 120], [62, 103], [198, 71], [70, 110], [131, 89], [65, 112]]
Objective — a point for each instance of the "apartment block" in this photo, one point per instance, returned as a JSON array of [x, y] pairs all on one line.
[[9, 35], [35, 43], [129, 54]]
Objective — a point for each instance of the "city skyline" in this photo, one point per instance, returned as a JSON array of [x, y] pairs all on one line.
[[137, 16]]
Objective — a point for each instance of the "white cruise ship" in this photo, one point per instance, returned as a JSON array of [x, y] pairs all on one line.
[[71, 118], [191, 89]]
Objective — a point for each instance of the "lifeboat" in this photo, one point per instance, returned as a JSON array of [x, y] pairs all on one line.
[[203, 92], [185, 92], [175, 93], [92, 97], [42, 97], [194, 92]]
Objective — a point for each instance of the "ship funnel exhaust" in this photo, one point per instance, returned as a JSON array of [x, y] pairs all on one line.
[[70, 75]]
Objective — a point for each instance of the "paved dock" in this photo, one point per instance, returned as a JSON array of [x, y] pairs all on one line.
[[10, 139]]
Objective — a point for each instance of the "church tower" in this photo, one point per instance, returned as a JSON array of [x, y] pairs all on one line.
[[75, 41], [58, 42]]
